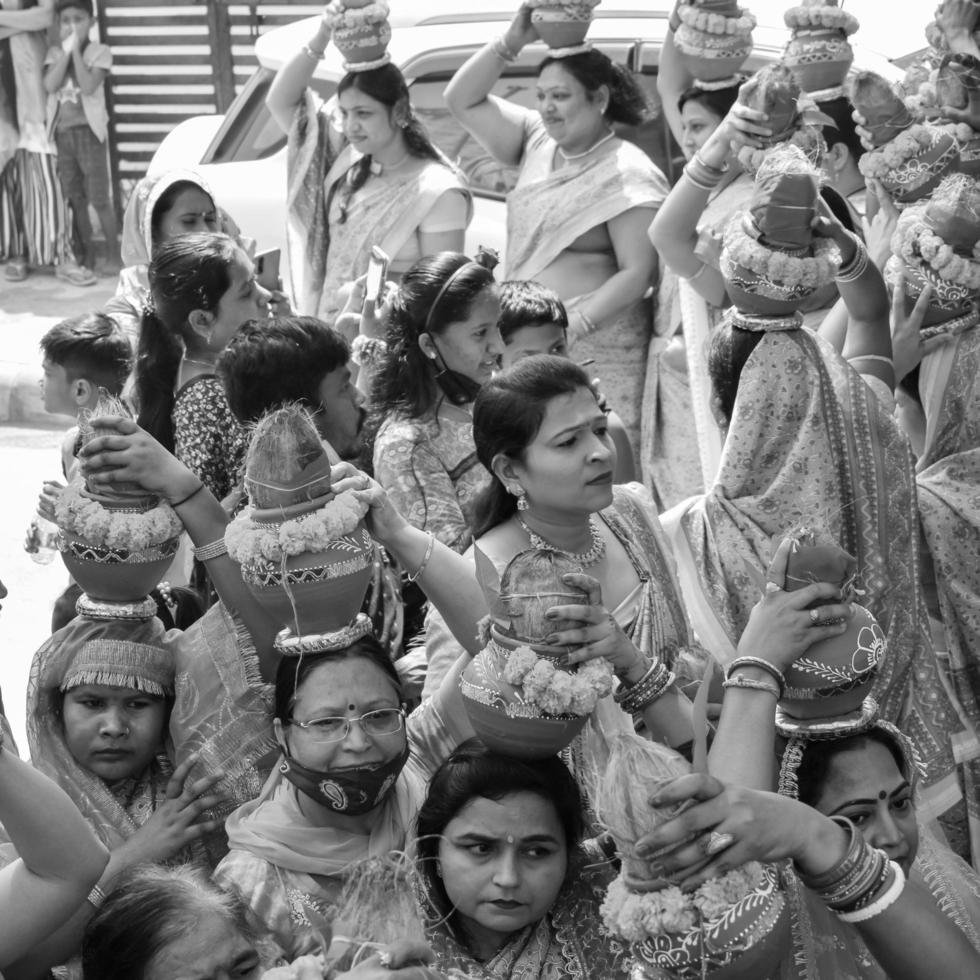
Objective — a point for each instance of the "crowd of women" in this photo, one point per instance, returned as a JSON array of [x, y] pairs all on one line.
[[212, 795]]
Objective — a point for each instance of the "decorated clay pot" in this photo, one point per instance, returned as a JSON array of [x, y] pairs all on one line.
[[840, 667], [363, 43], [760, 296], [711, 57], [749, 939], [919, 176], [315, 592], [562, 25], [501, 718], [949, 300], [116, 574], [355, 4], [819, 58]]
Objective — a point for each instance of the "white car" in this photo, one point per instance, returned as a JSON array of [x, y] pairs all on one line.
[[242, 154]]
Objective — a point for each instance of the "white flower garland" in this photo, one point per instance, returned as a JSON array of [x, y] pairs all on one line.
[[337, 16], [771, 264], [554, 691], [637, 916], [79, 514], [817, 14], [900, 149], [711, 23], [248, 541], [914, 240]]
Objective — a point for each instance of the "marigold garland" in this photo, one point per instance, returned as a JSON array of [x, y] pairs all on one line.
[[915, 140], [808, 138], [77, 513], [811, 271], [337, 16], [554, 691], [637, 916], [248, 541], [808, 16], [915, 241], [712, 23]]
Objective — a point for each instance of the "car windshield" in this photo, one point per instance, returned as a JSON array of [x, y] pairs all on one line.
[[250, 133]]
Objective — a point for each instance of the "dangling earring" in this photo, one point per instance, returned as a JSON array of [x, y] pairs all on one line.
[[438, 869], [521, 495], [208, 338]]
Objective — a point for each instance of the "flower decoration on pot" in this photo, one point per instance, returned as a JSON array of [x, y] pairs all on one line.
[[714, 39], [116, 541], [522, 700], [305, 553], [793, 118], [771, 260], [909, 158], [361, 32], [937, 243], [563, 25], [736, 925], [842, 667], [818, 52], [956, 86]]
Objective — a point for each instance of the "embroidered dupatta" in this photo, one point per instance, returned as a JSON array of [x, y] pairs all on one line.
[[549, 209], [322, 257], [809, 444]]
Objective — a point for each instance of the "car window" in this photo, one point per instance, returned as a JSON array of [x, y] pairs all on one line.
[[249, 132], [488, 177]]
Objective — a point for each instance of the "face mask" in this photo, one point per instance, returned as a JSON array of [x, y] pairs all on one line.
[[460, 389], [353, 791]]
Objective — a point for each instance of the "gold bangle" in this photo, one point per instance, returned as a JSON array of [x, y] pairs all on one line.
[[314, 56], [214, 549], [96, 897], [416, 575]]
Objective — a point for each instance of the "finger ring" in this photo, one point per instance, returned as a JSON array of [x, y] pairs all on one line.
[[772, 587], [717, 842], [814, 616], [384, 959]]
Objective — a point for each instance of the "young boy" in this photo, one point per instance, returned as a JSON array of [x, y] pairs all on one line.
[[532, 321], [83, 357], [74, 77]]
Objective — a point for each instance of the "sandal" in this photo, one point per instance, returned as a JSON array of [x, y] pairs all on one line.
[[16, 270], [76, 275]]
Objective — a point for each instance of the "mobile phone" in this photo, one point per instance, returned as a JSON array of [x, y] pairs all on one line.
[[267, 270], [377, 271]]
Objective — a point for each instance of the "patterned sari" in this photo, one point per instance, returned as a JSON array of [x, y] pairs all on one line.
[[949, 504], [549, 209], [324, 254], [810, 445]]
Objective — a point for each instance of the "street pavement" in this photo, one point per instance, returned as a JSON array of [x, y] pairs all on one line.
[[29, 454]]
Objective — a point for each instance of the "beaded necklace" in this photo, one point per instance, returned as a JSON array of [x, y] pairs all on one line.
[[585, 558]]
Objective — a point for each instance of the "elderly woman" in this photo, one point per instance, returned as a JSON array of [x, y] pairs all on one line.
[[362, 172], [577, 218]]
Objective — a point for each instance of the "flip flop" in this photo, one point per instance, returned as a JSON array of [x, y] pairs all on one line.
[[76, 275], [16, 270]]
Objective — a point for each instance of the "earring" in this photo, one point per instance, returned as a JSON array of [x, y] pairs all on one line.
[[209, 336], [521, 495], [438, 869]]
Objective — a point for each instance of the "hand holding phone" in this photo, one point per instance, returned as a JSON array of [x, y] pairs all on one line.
[[377, 271], [267, 270]]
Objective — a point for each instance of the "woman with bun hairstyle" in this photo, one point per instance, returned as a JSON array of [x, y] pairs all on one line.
[[362, 172], [577, 218]]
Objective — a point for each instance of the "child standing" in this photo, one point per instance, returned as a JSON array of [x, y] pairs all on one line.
[[74, 78]]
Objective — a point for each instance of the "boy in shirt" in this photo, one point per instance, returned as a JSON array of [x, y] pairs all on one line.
[[74, 77]]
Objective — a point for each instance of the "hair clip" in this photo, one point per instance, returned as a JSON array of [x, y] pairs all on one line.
[[487, 257]]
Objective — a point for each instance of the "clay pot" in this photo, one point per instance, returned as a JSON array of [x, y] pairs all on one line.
[[316, 592], [355, 4], [501, 719], [711, 57], [363, 43], [841, 668], [819, 58], [116, 574], [949, 300], [562, 25], [920, 176], [752, 294], [748, 940]]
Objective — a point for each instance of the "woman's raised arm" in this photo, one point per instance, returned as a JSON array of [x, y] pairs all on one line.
[[292, 79], [497, 124]]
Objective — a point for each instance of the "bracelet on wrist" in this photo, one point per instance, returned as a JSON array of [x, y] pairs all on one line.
[[314, 55], [858, 265], [748, 684], [882, 901], [417, 574], [96, 897], [633, 698], [771, 669], [214, 549], [183, 500], [503, 50]]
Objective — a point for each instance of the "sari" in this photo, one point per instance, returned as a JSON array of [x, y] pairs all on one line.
[[809, 444], [324, 254], [115, 810], [287, 868], [548, 210], [673, 465], [569, 943], [949, 506]]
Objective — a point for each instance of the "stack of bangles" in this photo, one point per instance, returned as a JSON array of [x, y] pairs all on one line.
[[633, 698], [858, 265], [732, 679], [862, 884], [703, 175], [503, 51]]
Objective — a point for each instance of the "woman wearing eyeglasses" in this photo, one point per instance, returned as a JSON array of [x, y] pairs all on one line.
[[352, 777]]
